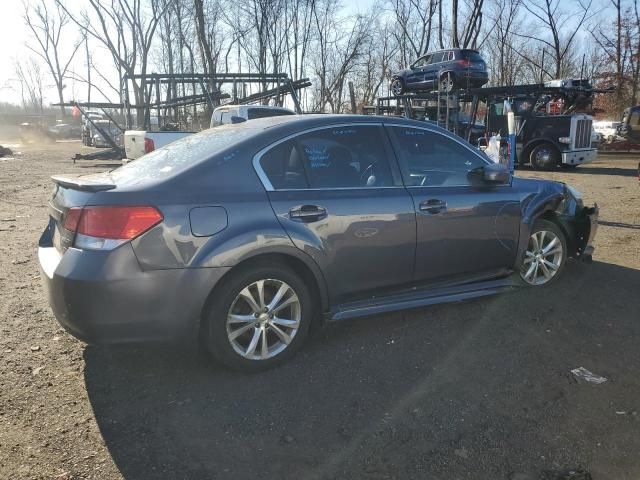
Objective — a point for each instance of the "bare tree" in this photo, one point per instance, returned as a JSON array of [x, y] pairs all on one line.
[[126, 28], [503, 45], [558, 28], [31, 84], [339, 48], [415, 22], [47, 27], [374, 69], [468, 38]]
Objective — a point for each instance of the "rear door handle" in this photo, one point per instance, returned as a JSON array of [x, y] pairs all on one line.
[[308, 213], [433, 205]]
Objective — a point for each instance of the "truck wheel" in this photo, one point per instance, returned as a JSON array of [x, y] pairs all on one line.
[[544, 156], [397, 87]]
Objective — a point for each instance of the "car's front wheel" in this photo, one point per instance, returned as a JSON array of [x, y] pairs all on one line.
[[545, 256], [258, 318], [397, 86]]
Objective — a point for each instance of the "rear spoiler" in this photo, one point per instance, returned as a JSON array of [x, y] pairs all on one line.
[[83, 183]]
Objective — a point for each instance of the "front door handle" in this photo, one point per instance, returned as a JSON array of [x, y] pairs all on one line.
[[308, 213], [433, 205]]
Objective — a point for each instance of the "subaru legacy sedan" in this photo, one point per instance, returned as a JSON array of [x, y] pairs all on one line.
[[242, 236]]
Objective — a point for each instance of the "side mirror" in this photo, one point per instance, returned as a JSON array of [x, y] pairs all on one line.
[[235, 119], [495, 173]]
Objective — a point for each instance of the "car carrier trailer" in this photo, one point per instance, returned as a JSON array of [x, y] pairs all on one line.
[[553, 126]]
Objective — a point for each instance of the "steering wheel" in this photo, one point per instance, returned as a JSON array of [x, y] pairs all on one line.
[[366, 173]]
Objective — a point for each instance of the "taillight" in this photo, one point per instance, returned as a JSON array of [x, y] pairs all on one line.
[[464, 62], [72, 219], [149, 146], [108, 227]]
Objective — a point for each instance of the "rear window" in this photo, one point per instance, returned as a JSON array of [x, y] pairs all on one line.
[[472, 56], [266, 112], [180, 155]]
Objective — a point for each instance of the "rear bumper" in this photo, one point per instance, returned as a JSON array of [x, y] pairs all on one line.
[[578, 157], [104, 297], [477, 78]]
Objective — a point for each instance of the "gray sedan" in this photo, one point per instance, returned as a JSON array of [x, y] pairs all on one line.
[[242, 236]]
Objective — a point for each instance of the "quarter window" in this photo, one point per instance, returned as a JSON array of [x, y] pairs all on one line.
[[432, 159], [337, 157]]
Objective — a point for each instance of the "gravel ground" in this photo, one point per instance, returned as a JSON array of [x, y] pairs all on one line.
[[472, 390]]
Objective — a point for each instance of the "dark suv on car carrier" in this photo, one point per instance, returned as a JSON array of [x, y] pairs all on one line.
[[446, 70], [243, 235]]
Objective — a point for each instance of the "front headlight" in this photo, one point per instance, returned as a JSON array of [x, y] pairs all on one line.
[[566, 140], [574, 193]]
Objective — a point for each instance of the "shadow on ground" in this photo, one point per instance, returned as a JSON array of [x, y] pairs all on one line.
[[632, 171], [480, 389]]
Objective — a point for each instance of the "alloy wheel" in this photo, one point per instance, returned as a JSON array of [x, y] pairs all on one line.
[[396, 87], [542, 259], [446, 83], [263, 319]]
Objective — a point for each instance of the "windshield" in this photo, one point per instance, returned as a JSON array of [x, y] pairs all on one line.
[[180, 155]]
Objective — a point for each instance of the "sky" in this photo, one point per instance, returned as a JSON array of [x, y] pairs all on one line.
[[14, 34], [12, 39]]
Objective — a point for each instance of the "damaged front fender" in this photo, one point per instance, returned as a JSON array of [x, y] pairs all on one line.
[[562, 205]]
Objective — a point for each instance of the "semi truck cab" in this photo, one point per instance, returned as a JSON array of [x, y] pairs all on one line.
[[545, 138]]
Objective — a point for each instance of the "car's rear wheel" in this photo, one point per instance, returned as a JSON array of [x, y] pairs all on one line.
[[397, 86], [545, 256], [447, 82], [544, 156], [258, 318]]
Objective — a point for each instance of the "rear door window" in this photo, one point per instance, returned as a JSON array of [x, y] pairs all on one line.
[[336, 157], [431, 159], [437, 57]]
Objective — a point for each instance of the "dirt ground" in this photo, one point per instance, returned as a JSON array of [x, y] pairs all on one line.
[[473, 390]]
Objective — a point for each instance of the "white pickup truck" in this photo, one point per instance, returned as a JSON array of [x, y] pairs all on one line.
[[139, 142]]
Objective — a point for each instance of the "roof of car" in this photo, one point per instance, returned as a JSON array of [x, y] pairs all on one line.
[[311, 120], [450, 50], [269, 107]]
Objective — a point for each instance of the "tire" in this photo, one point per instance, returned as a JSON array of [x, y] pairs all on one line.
[[245, 352], [536, 264], [447, 82], [544, 156], [397, 87]]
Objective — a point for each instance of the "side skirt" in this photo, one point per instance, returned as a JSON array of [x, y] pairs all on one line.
[[419, 298]]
